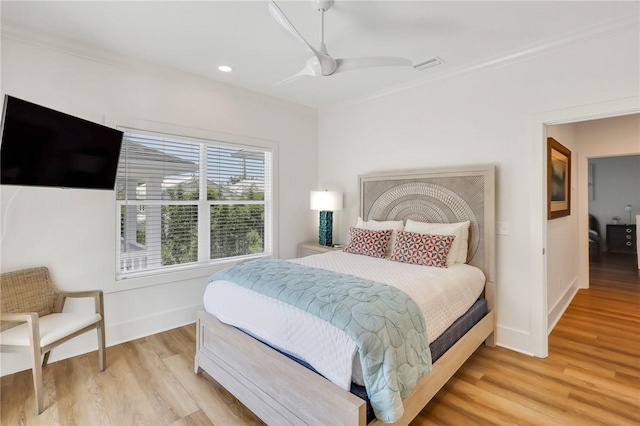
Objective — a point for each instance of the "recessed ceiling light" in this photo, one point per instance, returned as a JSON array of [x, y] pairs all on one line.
[[225, 68]]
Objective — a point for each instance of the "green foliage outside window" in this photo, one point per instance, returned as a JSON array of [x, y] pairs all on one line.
[[236, 229]]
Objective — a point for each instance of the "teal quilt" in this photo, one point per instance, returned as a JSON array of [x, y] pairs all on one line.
[[385, 322]]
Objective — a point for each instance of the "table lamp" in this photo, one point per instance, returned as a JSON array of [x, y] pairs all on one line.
[[326, 202]]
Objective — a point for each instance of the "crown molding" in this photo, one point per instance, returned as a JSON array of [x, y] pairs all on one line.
[[118, 60], [601, 31], [18, 33], [74, 48]]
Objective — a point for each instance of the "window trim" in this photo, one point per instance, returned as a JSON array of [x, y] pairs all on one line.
[[203, 269]]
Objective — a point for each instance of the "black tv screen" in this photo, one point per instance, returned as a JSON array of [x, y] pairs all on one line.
[[43, 147]]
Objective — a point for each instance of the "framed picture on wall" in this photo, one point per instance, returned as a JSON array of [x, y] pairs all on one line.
[[558, 180]]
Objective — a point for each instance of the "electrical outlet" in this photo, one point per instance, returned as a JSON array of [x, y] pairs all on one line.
[[502, 228]]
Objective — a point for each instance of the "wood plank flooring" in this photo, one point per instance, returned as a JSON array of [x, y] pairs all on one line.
[[592, 376], [614, 269]]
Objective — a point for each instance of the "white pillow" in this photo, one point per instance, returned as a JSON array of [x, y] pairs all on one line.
[[380, 225], [460, 245]]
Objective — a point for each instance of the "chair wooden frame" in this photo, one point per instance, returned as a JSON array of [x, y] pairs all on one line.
[[33, 326]]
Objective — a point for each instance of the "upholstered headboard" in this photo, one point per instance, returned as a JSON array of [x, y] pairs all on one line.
[[451, 195]]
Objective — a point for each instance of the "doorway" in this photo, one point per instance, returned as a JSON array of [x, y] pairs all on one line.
[[605, 190], [614, 109], [614, 202]]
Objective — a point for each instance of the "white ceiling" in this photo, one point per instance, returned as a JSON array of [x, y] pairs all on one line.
[[198, 36]]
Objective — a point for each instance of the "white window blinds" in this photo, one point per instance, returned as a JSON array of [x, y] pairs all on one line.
[[170, 215]]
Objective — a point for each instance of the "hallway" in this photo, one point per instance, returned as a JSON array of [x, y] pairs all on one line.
[[614, 269]]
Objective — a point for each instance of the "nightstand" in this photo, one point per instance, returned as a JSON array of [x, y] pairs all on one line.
[[307, 249], [621, 238]]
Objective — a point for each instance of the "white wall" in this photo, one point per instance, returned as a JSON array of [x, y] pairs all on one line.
[[562, 255], [483, 116], [610, 144], [73, 231]]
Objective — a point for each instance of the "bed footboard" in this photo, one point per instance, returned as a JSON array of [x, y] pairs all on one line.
[[276, 389], [282, 392]]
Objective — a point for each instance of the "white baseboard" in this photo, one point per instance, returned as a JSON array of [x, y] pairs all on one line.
[[561, 305], [115, 334], [515, 340], [152, 324]]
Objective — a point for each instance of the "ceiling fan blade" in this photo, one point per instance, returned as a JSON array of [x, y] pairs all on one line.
[[308, 70], [349, 64], [290, 79], [278, 15]]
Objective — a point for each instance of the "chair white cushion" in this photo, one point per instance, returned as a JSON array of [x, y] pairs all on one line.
[[53, 327]]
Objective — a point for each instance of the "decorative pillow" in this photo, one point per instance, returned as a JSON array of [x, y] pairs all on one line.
[[368, 242], [379, 225], [460, 246], [422, 249]]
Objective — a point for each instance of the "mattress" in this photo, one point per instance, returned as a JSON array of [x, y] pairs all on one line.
[[443, 295]]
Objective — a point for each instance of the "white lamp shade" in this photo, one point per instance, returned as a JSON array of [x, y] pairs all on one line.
[[329, 201]]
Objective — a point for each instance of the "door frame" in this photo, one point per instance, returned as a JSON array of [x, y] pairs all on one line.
[[538, 225]]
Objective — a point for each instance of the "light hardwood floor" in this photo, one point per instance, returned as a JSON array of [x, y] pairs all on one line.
[[592, 376]]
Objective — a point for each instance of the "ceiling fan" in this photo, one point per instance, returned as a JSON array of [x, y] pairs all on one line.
[[321, 63]]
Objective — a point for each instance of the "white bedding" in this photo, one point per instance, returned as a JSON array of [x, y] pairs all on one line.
[[443, 295]]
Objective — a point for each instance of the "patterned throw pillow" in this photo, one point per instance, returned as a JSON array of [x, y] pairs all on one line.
[[368, 242], [421, 249]]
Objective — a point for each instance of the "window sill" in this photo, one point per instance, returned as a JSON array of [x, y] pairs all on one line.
[[173, 275]]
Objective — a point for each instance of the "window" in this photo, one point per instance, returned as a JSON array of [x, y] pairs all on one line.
[[187, 202]]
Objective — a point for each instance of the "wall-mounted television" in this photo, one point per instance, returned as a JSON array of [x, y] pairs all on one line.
[[43, 147]]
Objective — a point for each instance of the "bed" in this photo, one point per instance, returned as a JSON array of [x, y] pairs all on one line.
[[280, 390]]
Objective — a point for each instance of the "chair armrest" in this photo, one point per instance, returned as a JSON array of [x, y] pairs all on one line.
[[76, 294], [15, 317], [33, 324], [97, 295]]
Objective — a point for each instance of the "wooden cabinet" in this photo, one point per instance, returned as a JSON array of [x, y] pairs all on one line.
[[307, 249], [621, 238]]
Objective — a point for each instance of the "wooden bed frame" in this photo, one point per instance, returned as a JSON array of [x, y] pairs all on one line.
[[279, 390]]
